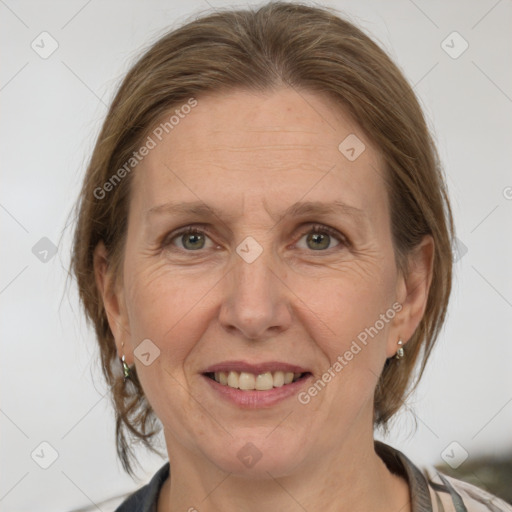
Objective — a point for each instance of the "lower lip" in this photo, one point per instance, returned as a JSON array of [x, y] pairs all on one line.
[[257, 399]]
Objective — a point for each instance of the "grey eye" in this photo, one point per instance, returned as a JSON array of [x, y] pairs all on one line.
[[193, 241], [318, 240]]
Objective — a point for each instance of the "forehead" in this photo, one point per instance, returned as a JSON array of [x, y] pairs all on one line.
[[272, 148]]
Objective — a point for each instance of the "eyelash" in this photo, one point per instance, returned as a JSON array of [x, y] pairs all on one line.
[[201, 229]]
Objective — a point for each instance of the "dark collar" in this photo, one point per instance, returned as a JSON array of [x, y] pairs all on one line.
[[399, 464], [146, 498]]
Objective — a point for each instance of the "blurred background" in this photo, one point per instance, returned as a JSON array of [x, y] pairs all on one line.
[[61, 64]]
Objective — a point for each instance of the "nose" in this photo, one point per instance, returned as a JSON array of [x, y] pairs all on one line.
[[256, 299]]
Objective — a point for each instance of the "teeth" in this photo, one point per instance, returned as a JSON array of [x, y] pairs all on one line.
[[262, 382], [246, 381], [233, 379], [278, 379]]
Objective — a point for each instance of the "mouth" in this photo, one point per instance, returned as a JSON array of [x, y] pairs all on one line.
[[248, 381], [255, 385]]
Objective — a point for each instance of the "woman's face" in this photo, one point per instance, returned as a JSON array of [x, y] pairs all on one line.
[[289, 268]]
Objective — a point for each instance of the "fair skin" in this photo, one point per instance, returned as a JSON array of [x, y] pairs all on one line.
[[302, 301]]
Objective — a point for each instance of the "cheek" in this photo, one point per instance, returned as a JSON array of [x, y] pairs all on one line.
[[349, 319], [165, 306], [345, 303]]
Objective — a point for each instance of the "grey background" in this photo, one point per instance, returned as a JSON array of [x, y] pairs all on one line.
[[52, 108]]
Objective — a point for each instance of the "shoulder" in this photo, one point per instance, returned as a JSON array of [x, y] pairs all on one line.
[[449, 493], [433, 491], [146, 498]]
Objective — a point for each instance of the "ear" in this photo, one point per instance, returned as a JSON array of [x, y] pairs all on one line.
[[113, 301], [412, 293]]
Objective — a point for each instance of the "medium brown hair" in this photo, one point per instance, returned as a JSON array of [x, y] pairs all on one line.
[[279, 44]]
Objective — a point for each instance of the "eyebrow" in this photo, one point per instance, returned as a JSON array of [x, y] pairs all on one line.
[[298, 209]]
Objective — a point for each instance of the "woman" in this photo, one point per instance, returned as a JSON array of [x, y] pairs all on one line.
[[290, 151]]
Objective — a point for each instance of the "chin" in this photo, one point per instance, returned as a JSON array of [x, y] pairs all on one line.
[[259, 457]]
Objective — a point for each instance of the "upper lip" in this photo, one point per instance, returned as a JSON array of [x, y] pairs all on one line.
[[255, 368]]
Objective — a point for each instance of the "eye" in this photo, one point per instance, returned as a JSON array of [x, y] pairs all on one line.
[[319, 238], [191, 238], [195, 238]]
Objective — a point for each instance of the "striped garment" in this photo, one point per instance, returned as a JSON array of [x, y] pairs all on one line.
[[432, 491]]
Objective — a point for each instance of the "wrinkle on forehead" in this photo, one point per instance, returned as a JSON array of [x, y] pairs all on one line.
[[245, 152]]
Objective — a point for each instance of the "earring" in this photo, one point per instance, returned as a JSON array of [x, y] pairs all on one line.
[[126, 369], [400, 351]]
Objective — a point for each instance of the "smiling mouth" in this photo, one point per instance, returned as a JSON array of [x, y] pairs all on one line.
[[250, 382]]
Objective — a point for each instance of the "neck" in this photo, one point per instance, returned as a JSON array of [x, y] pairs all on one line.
[[352, 478]]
